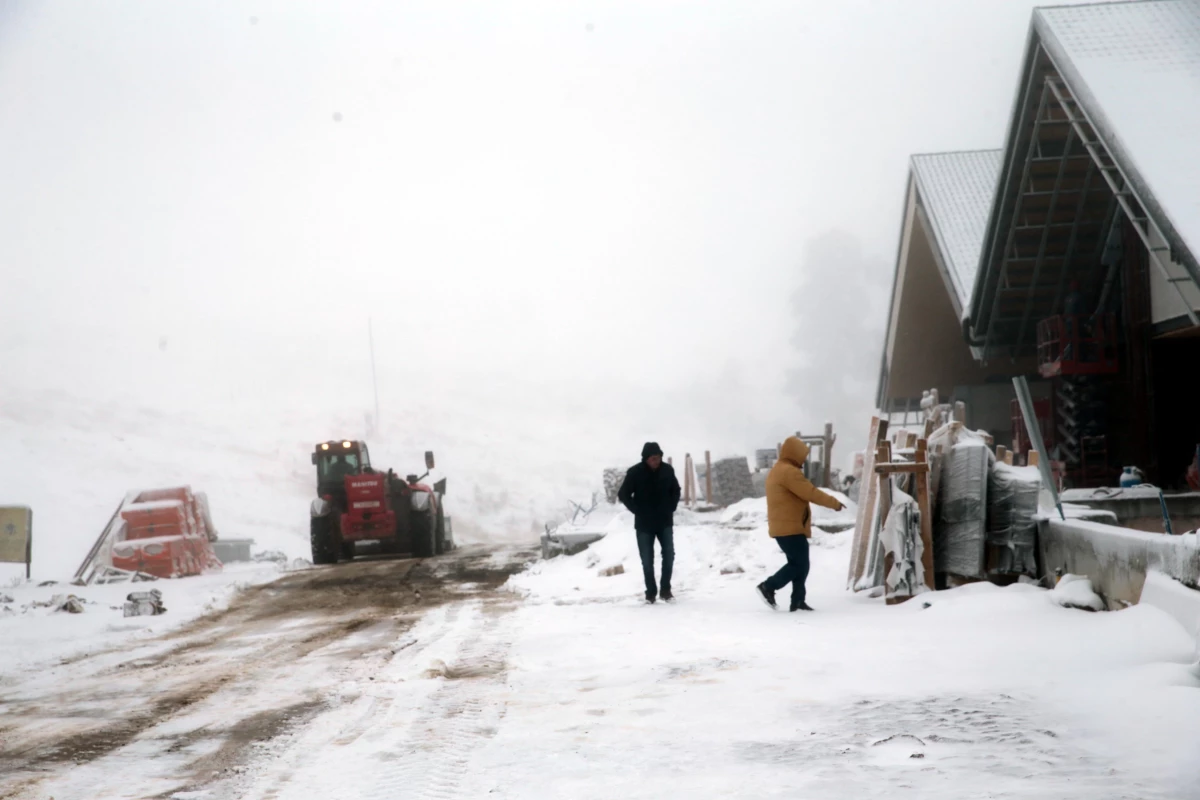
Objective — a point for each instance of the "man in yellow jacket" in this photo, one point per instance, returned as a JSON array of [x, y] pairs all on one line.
[[789, 521]]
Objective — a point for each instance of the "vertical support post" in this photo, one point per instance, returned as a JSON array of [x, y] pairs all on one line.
[[960, 412], [867, 494], [827, 454], [708, 477]]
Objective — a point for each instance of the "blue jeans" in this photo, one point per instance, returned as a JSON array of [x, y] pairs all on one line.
[[666, 539], [795, 571]]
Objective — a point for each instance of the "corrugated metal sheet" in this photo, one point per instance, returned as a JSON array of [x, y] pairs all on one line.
[[1136, 69], [957, 190]]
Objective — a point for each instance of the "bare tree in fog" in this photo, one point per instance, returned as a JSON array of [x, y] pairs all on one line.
[[839, 314]]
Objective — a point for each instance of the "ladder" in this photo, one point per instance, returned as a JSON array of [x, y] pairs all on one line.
[[1153, 238]]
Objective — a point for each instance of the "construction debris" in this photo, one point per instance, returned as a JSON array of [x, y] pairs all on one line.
[[277, 556], [609, 572], [144, 604], [5, 598]]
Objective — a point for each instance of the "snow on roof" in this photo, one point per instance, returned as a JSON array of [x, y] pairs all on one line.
[[1135, 67], [957, 190], [153, 505]]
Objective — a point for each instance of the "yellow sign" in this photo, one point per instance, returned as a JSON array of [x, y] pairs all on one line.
[[16, 528]]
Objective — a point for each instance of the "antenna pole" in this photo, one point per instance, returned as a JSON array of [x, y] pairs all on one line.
[[374, 377]]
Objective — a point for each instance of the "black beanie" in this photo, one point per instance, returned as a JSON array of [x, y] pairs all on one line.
[[651, 449]]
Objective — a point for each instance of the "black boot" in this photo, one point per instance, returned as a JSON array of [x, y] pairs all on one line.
[[650, 598], [801, 606], [766, 594]]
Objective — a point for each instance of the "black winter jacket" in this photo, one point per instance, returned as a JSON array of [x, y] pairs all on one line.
[[651, 494]]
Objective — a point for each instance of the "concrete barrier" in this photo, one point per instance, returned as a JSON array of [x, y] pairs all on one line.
[[1117, 559]]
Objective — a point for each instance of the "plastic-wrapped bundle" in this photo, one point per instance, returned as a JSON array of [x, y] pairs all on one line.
[[901, 538], [613, 478], [960, 529], [1012, 529], [731, 481]]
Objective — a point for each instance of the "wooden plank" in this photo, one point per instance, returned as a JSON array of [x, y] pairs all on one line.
[[925, 504], [1032, 460], [884, 455], [827, 454], [1000, 451], [1008, 457], [708, 477], [911, 441], [960, 412], [928, 428], [867, 495]]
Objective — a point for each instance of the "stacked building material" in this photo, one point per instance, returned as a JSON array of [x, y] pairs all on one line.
[[1012, 527], [960, 531], [731, 481]]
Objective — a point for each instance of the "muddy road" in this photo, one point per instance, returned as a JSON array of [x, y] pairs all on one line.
[[188, 711]]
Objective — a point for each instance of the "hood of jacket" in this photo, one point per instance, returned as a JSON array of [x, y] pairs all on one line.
[[794, 450]]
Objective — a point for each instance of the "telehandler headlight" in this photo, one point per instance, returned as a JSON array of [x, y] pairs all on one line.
[[324, 447], [345, 444]]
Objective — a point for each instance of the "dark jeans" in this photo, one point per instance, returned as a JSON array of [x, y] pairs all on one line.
[[795, 570], [666, 538]]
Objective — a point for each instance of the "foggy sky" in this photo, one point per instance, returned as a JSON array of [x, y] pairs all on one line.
[[614, 199]]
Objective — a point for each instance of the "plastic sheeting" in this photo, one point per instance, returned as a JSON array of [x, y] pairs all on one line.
[[901, 538], [1012, 520], [960, 528]]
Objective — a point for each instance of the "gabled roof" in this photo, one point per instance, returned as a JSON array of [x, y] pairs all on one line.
[[1135, 68], [956, 191], [1108, 100]]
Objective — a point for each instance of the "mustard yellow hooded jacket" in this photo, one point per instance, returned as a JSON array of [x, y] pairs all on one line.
[[789, 493]]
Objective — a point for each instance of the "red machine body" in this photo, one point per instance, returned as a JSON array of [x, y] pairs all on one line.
[[357, 503]]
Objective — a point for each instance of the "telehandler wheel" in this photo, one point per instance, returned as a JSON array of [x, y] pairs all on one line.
[[321, 538], [424, 535]]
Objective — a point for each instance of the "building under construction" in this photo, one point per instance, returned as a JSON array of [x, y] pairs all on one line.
[[1070, 255]]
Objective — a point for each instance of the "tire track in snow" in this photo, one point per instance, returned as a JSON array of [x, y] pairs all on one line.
[[416, 735]]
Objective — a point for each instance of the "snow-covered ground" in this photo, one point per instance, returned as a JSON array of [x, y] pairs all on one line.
[[564, 684], [34, 633], [567, 685], [979, 691]]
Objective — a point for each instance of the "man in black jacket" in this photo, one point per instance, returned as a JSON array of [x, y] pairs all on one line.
[[651, 492]]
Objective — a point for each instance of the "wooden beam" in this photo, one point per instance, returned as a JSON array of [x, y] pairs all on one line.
[[1032, 460], [708, 477], [911, 441], [827, 454], [1000, 451], [894, 467], [867, 496], [1008, 457], [925, 504]]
